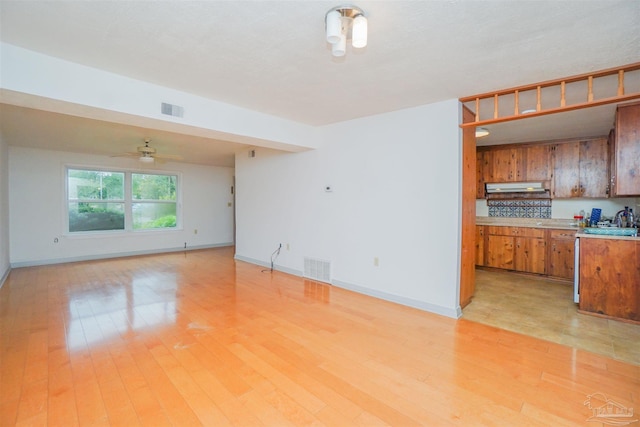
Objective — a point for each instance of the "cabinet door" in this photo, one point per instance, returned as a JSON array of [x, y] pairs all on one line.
[[506, 165], [594, 168], [566, 170], [480, 245], [627, 155], [538, 161], [612, 162], [561, 258], [500, 252], [530, 255], [609, 275]]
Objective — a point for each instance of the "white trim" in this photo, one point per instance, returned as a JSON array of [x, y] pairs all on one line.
[[115, 255], [420, 305], [4, 276], [276, 267]]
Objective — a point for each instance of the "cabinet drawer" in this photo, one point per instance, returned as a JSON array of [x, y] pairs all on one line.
[[496, 230], [530, 232], [562, 234]]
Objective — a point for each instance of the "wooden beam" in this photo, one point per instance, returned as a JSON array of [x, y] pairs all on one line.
[[579, 106], [556, 82]]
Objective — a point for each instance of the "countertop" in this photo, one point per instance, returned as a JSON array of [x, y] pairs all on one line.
[[555, 223], [584, 235], [563, 224]]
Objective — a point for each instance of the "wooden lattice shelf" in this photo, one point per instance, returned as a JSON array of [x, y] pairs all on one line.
[[554, 96]]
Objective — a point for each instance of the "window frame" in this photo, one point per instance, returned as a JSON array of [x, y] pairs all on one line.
[[152, 201], [128, 201]]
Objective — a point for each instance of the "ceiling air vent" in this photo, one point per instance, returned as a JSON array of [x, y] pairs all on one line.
[[172, 110]]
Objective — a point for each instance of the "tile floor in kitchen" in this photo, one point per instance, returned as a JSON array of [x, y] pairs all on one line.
[[544, 309]]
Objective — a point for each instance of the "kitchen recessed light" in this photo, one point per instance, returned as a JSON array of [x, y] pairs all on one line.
[[481, 132]]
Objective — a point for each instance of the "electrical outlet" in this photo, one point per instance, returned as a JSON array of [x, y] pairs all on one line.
[[288, 246], [195, 231], [376, 261]]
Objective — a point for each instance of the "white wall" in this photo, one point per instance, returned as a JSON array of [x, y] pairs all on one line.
[[4, 210], [37, 210], [567, 208], [74, 89], [396, 196]]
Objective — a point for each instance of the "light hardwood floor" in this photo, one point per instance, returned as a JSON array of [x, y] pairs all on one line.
[[196, 338]]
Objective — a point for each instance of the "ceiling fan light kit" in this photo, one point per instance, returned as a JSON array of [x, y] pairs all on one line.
[[342, 23], [146, 154]]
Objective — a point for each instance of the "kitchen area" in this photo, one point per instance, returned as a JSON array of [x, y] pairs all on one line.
[[557, 251]]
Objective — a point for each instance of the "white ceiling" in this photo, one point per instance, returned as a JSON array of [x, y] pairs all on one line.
[[270, 56]]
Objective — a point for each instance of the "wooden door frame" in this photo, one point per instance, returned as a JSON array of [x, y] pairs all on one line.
[[468, 215]]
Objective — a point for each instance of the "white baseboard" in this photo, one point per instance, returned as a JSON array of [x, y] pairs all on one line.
[[420, 305], [114, 255], [409, 302], [4, 276], [276, 267]]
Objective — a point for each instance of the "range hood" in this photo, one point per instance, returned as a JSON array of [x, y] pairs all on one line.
[[515, 187]]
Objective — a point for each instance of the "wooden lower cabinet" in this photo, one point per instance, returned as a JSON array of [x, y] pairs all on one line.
[[561, 254], [500, 252], [527, 249], [610, 277], [516, 248], [530, 254], [479, 244]]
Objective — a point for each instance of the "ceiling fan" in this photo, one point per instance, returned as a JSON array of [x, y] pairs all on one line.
[[146, 154]]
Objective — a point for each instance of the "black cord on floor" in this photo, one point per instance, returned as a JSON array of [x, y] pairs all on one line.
[[274, 256]]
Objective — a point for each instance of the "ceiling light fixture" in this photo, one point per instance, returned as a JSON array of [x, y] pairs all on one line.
[[145, 158], [342, 23], [481, 132]]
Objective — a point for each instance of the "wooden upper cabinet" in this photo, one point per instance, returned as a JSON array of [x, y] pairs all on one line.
[[537, 163], [513, 164], [580, 169], [566, 170], [626, 164], [594, 168], [504, 165]]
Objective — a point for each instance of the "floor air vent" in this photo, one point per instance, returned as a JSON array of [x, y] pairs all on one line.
[[317, 269]]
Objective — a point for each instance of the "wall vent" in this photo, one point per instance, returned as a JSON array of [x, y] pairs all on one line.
[[172, 110], [317, 269]]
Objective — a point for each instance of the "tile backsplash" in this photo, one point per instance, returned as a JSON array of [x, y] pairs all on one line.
[[523, 208]]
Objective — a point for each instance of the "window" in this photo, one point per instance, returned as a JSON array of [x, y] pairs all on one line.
[[96, 200], [108, 200], [154, 201]]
